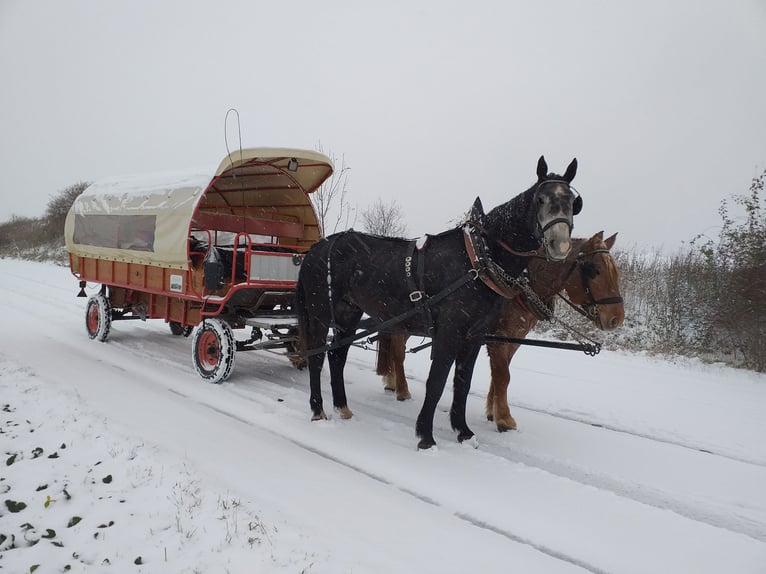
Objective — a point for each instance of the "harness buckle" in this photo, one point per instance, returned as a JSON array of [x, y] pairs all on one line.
[[416, 296]]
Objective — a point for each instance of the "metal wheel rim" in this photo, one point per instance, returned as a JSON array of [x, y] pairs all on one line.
[[208, 350], [93, 318]]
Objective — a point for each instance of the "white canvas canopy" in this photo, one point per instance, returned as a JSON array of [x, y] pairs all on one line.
[[148, 219]]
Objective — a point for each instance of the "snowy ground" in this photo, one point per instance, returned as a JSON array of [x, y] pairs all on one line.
[[622, 464]]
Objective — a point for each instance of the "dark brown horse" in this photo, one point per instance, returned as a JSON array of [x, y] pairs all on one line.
[[448, 288], [590, 278]]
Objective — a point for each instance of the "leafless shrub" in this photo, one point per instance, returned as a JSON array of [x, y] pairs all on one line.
[[40, 238], [384, 219], [707, 301]]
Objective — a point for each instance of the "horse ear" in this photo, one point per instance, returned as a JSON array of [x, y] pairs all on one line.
[[477, 212], [542, 169], [610, 241], [571, 171]]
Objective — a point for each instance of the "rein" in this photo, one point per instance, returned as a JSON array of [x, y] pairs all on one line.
[[512, 287], [538, 307], [481, 267], [497, 279], [422, 303]]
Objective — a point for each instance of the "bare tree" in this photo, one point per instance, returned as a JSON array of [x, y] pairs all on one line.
[[384, 219], [330, 200]]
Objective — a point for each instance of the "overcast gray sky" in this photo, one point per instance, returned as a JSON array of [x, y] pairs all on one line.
[[431, 103]]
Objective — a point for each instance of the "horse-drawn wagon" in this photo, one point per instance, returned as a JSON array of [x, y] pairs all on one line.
[[205, 252]]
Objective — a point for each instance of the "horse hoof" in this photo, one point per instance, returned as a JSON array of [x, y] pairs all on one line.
[[426, 444], [319, 417], [389, 383], [464, 436], [473, 442], [344, 412], [403, 397], [506, 424]]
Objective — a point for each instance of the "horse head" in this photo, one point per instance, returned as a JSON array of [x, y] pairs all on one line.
[[594, 283], [557, 203], [541, 216]]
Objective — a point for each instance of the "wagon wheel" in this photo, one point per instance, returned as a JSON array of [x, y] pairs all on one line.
[[177, 329], [213, 350], [98, 317]]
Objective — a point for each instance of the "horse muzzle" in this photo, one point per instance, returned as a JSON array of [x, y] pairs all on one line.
[[556, 239], [607, 314]]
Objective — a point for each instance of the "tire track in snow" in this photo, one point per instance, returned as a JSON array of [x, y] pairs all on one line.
[[494, 446], [646, 436], [607, 426], [144, 347], [638, 492], [384, 407], [544, 549]]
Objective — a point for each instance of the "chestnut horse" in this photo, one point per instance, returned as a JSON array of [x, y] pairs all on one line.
[[449, 287], [590, 277]]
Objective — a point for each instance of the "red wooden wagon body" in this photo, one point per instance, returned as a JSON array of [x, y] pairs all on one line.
[[206, 252]]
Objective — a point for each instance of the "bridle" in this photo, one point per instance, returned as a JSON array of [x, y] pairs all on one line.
[[568, 221], [589, 309]]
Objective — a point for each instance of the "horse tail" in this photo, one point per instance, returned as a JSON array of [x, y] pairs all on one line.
[[302, 316], [302, 300], [383, 364]]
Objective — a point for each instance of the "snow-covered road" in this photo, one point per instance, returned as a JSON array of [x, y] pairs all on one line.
[[622, 463]]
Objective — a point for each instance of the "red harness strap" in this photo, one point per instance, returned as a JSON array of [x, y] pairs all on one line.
[[504, 291]]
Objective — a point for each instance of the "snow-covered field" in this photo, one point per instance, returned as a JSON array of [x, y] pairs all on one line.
[[622, 463]]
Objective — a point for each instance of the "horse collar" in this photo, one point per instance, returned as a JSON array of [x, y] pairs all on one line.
[[478, 254]]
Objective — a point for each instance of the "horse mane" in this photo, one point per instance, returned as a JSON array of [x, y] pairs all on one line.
[[514, 221]]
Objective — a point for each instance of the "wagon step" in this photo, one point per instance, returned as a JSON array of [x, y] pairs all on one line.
[[272, 321]]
